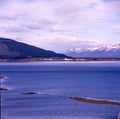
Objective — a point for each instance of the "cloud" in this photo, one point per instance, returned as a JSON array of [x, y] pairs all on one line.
[[117, 26], [61, 43], [117, 33], [116, 29], [71, 39], [84, 11], [51, 23], [56, 14]]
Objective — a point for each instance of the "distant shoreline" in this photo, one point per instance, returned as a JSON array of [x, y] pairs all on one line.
[[58, 59]]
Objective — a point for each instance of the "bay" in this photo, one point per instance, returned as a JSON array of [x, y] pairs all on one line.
[[55, 82]]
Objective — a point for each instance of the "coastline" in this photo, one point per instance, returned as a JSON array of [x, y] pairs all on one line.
[[58, 59]]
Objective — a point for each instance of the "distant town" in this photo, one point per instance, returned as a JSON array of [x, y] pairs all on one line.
[[59, 59]]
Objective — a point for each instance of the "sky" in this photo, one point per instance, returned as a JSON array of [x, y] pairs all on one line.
[[59, 25]]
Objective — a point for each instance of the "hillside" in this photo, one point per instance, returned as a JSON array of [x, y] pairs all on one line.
[[11, 49]]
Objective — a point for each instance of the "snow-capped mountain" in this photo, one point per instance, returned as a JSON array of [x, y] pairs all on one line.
[[106, 52]]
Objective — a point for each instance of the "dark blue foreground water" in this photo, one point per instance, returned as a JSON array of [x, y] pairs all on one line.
[[56, 82]]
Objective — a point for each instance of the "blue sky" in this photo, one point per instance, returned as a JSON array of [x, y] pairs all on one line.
[[61, 24]]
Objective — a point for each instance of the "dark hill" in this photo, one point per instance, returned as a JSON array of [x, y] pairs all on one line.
[[11, 49]]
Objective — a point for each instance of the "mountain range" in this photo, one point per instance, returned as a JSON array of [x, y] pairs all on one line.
[[11, 49], [112, 51]]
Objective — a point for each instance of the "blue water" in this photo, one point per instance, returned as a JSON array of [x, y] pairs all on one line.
[[56, 82]]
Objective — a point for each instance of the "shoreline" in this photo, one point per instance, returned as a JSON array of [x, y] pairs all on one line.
[[58, 59]]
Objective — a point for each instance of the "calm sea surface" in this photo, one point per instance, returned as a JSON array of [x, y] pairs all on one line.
[[56, 82]]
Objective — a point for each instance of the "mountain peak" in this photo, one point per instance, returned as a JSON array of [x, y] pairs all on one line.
[[107, 51]]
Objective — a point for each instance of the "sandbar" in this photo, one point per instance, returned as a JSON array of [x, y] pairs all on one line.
[[95, 101]]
